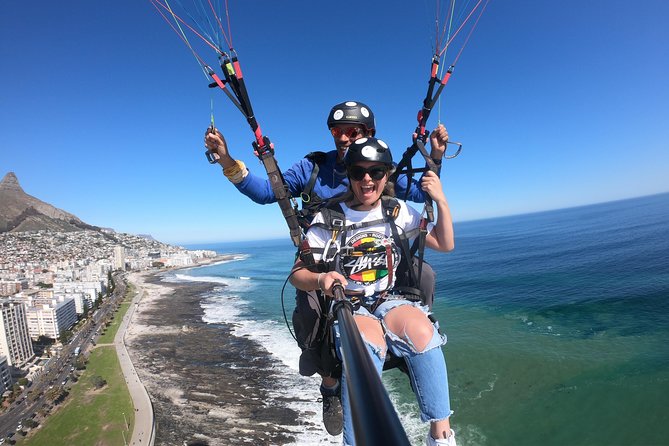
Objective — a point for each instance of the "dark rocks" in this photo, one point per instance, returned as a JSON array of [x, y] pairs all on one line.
[[207, 386]]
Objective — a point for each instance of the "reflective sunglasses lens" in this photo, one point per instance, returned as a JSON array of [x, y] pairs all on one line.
[[357, 173], [376, 173], [350, 132]]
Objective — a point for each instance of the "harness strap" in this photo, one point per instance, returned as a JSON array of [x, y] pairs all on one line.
[[317, 158], [419, 244], [305, 195], [402, 241], [334, 220], [405, 167], [354, 226], [389, 263]]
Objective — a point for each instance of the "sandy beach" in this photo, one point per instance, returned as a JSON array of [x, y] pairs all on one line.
[[207, 386]]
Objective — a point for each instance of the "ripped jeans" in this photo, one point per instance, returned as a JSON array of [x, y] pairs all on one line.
[[427, 369]]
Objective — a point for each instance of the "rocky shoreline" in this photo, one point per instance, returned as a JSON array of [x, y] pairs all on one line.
[[207, 386]]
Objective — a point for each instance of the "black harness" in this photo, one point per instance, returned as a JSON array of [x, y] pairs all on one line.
[[311, 201], [406, 282]]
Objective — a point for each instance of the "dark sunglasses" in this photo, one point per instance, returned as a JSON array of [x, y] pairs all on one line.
[[350, 132], [357, 173]]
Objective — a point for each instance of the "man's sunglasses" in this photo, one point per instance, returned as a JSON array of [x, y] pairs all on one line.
[[357, 173], [350, 132]]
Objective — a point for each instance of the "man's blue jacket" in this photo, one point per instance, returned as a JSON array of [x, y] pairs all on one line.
[[330, 182]]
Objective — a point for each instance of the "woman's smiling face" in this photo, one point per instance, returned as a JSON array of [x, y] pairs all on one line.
[[366, 189]]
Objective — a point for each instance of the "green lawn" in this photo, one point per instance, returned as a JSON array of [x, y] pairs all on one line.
[[89, 416], [110, 332]]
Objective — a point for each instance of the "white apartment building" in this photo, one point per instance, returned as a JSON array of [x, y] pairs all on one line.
[[43, 293], [43, 277], [203, 253], [90, 290], [15, 341], [9, 287], [179, 260], [139, 263], [119, 258], [64, 275], [81, 300], [5, 375], [50, 317], [96, 271]]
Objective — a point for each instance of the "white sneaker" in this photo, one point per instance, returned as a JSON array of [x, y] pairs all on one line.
[[450, 441]]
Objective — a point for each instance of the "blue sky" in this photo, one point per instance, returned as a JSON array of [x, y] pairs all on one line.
[[103, 108]]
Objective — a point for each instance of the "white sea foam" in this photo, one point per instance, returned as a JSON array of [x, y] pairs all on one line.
[[274, 337], [234, 284], [537, 326], [188, 278], [222, 306], [234, 258], [227, 305], [277, 340], [223, 309], [490, 388], [408, 414]]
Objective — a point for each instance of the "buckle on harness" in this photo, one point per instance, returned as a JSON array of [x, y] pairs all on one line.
[[305, 254], [330, 251]]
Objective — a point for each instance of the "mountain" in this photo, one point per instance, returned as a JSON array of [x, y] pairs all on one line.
[[22, 212]]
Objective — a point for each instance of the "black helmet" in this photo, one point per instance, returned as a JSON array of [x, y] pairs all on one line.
[[368, 149], [352, 112]]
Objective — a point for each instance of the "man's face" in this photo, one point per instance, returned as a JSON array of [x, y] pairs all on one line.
[[344, 135]]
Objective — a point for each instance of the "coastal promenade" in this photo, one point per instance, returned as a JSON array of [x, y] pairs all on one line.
[[144, 429]]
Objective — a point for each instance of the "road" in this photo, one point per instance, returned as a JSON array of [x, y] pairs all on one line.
[[57, 373], [144, 431]]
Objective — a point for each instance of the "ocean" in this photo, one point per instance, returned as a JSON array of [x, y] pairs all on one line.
[[557, 324]]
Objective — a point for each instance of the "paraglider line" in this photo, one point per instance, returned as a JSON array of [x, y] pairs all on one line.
[[470, 33], [213, 10], [183, 37], [459, 28], [205, 40]]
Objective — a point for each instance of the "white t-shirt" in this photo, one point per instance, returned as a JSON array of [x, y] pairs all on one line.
[[363, 256]]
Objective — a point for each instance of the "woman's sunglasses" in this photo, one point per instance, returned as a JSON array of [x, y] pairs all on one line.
[[357, 173], [349, 132]]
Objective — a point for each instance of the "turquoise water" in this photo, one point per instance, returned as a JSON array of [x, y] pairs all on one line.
[[558, 324]]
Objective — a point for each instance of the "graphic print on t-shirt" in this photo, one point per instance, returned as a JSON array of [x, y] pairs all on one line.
[[365, 259]]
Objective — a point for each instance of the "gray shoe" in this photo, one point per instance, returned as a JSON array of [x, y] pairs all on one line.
[[333, 418]]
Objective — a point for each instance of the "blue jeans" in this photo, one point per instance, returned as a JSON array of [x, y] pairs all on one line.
[[427, 369]]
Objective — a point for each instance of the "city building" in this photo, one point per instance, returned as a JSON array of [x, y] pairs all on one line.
[[87, 291], [82, 300], [9, 287], [50, 317], [119, 258], [42, 276], [5, 375], [179, 260], [15, 341]]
